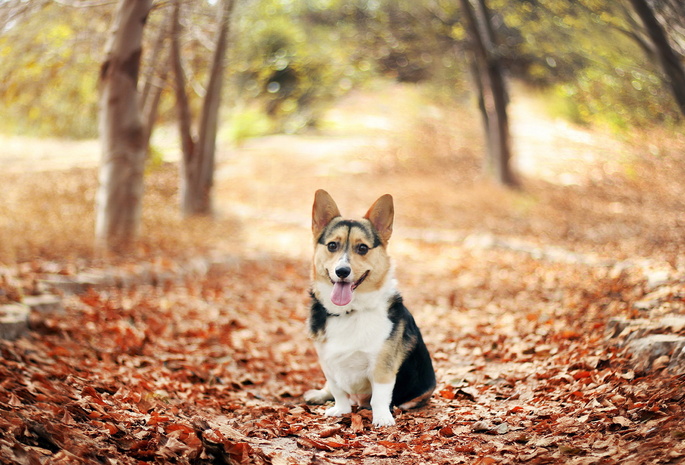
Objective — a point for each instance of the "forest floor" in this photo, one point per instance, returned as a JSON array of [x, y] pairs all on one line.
[[194, 348]]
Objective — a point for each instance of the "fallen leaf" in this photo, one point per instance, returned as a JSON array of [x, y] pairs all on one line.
[[448, 393], [447, 431], [502, 428], [570, 450], [621, 421], [357, 425], [481, 426], [582, 374]]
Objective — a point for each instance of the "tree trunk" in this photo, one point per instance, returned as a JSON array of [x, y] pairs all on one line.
[[152, 70], [492, 93], [197, 172], [155, 78], [182, 104], [669, 60], [122, 134]]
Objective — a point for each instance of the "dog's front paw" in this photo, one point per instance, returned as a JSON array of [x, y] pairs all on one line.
[[383, 419], [317, 396], [338, 410]]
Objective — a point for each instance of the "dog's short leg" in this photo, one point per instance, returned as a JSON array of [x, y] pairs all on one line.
[[380, 404], [318, 396], [342, 401]]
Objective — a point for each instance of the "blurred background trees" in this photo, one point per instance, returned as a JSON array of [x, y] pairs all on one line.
[[658, 45], [615, 64], [50, 55], [595, 61]]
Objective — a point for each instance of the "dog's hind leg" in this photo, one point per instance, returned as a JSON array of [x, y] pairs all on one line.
[[417, 402], [318, 396], [342, 404]]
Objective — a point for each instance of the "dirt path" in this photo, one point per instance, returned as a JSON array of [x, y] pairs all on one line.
[[557, 151], [268, 181], [20, 154]]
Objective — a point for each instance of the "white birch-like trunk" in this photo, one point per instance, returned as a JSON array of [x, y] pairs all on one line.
[[122, 133]]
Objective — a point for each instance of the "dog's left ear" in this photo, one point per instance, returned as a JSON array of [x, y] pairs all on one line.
[[323, 211], [381, 214]]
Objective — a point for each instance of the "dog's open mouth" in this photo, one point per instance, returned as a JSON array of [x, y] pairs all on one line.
[[342, 290]]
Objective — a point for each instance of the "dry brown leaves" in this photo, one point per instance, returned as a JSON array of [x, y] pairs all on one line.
[[211, 370]]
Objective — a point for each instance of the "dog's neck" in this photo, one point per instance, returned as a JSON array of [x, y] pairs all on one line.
[[348, 312]]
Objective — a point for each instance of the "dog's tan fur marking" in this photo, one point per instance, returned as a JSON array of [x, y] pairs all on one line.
[[375, 260], [391, 356]]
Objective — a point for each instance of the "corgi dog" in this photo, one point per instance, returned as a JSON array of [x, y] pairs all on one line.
[[369, 347]]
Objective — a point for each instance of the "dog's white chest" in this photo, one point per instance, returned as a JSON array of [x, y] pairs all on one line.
[[351, 347]]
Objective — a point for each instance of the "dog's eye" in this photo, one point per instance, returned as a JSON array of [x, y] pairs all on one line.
[[362, 249], [332, 246]]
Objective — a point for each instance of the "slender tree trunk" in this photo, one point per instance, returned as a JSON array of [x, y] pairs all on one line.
[[122, 133], [492, 93], [151, 69], [182, 103], [501, 146], [671, 63], [197, 175], [152, 105], [155, 78]]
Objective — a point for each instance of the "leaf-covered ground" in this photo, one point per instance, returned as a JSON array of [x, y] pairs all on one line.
[[517, 295], [211, 369]]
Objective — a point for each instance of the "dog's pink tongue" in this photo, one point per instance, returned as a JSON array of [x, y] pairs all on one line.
[[342, 293]]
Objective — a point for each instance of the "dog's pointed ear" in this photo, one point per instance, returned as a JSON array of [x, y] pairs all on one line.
[[381, 214], [323, 211]]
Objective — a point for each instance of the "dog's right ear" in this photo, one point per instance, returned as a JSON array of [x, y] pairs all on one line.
[[381, 214], [323, 211]]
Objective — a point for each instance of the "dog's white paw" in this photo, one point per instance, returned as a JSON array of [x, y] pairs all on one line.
[[317, 396], [338, 410], [383, 419]]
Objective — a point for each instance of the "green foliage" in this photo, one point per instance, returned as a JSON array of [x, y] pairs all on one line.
[[48, 74], [155, 159], [291, 69], [294, 58], [246, 123], [582, 53], [289, 59]]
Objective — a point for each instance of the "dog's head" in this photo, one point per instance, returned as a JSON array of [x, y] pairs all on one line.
[[350, 255]]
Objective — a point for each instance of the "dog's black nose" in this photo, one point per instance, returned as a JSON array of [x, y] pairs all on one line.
[[343, 271]]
